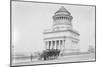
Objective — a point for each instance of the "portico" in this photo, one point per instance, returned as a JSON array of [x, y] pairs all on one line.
[[55, 44]]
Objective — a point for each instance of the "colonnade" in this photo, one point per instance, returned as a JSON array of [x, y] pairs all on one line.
[[55, 44]]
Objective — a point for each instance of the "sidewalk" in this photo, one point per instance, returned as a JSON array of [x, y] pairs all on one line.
[[60, 59]]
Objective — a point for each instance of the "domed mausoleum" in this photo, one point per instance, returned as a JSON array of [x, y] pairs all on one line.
[[62, 36]]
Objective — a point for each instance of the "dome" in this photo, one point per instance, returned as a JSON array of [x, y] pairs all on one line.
[[62, 10]]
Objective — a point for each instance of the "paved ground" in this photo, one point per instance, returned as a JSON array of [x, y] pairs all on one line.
[[74, 58]]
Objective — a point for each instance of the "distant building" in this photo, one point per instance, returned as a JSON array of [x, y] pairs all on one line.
[[62, 36]]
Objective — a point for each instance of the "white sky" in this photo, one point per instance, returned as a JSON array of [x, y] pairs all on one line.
[[29, 20]]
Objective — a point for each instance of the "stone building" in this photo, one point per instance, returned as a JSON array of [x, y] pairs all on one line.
[[62, 36]]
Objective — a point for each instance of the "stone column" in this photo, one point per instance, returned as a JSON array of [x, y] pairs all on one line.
[[61, 44], [46, 46], [53, 44], [57, 44], [49, 44]]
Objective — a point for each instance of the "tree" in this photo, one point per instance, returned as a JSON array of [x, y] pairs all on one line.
[[91, 49]]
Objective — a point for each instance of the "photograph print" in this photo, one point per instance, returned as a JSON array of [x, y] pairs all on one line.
[[52, 33]]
